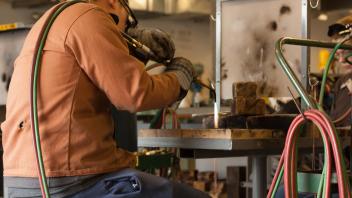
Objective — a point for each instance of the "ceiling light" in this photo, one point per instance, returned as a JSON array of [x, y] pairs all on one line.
[[138, 4], [323, 17]]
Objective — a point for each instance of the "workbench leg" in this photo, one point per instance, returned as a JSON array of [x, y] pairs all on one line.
[[259, 179]]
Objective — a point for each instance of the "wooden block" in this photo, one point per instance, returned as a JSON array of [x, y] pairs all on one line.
[[240, 105], [248, 106], [228, 134], [260, 107], [244, 89]]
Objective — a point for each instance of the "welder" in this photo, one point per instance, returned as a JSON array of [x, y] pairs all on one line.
[[86, 67]]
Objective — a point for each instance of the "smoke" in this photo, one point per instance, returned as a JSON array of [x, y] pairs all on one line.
[[10, 45], [249, 43]]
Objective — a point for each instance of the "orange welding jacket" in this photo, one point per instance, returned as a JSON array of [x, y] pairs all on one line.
[[86, 66]]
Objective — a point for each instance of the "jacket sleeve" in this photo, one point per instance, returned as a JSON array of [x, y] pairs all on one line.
[[103, 54]]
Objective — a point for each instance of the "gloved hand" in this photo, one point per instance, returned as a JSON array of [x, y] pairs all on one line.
[[157, 40], [185, 73]]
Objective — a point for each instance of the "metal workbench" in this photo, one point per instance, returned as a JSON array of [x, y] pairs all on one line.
[[211, 143]]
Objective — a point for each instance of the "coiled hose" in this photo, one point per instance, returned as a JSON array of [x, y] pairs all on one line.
[[287, 164], [329, 134]]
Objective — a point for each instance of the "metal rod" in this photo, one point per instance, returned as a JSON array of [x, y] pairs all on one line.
[[296, 103], [259, 176], [312, 43], [305, 53], [291, 75], [218, 55]]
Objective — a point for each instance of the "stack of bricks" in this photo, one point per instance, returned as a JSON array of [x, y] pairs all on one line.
[[245, 99]]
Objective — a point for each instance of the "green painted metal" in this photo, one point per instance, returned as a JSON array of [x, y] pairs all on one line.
[[155, 161]]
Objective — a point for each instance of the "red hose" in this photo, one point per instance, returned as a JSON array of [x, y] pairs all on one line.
[[337, 152], [289, 154], [320, 120], [276, 176]]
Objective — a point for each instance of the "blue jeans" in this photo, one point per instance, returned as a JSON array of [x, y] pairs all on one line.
[[131, 183]]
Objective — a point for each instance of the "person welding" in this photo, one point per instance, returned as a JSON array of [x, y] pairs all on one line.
[[87, 66]]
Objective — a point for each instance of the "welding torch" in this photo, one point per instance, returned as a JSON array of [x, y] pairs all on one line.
[[151, 55], [147, 52]]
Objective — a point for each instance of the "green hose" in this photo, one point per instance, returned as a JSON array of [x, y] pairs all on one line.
[[155, 123], [321, 191], [327, 69], [278, 182], [344, 171], [34, 90]]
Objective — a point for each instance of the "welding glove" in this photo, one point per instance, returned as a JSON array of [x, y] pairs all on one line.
[[157, 40], [185, 73]]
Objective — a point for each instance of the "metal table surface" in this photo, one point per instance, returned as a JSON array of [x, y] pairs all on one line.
[[211, 143]]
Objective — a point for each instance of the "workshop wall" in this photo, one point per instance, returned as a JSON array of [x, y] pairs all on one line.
[[22, 15], [10, 46], [11, 42]]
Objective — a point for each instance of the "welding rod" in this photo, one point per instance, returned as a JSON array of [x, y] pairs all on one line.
[[139, 45]]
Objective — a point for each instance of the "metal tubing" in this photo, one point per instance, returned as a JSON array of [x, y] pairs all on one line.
[[289, 72], [305, 53], [291, 75], [312, 43], [218, 55], [259, 176]]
